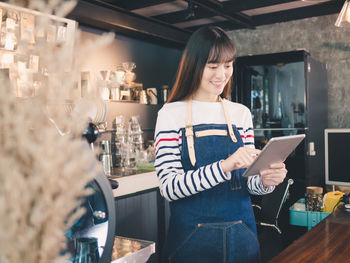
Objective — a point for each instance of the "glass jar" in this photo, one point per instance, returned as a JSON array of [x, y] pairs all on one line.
[[313, 202]]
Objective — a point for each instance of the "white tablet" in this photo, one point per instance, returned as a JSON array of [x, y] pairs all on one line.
[[276, 150]]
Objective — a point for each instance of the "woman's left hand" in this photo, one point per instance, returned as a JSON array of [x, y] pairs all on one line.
[[274, 175]]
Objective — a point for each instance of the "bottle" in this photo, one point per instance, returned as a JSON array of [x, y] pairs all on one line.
[[164, 93]]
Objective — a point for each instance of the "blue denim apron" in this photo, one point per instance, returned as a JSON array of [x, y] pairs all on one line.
[[218, 224]]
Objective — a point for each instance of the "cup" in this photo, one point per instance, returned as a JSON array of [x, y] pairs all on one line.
[[134, 125], [105, 146], [115, 93], [152, 94], [129, 66], [87, 250], [84, 83], [128, 155], [143, 97], [104, 74], [120, 76], [106, 157]]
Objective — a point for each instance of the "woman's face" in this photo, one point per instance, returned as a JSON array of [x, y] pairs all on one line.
[[214, 79]]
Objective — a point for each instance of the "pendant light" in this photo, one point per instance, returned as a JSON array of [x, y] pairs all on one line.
[[343, 19]]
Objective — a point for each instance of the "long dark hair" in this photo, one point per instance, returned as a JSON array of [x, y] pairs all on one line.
[[206, 45]]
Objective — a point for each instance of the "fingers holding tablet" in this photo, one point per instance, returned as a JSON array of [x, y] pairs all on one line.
[[274, 175], [242, 158]]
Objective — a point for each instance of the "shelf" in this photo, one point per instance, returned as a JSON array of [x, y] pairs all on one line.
[[133, 184], [7, 50], [131, 101], [113, 130]]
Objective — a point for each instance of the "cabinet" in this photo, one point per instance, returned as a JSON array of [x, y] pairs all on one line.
[[141, 216], [26, 39], [287, 94]]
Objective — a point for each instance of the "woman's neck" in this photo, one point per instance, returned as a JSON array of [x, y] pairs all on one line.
[[206, 98]]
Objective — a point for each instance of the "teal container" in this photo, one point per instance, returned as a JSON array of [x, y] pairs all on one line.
[[308, 219]]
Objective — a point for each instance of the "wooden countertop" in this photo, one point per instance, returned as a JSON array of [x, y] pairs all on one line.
[[327, 242], [136, 183]]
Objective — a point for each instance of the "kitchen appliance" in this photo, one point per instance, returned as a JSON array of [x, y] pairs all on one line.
[[98, 223], [103, 84]]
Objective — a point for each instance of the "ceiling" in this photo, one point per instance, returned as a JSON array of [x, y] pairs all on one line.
[[182, 17], [229, 14]]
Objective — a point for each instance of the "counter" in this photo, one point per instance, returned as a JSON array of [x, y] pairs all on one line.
[[133, 184], [329, 241], [140, 209]]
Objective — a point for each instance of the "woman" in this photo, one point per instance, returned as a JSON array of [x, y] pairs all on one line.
[[203, 143]]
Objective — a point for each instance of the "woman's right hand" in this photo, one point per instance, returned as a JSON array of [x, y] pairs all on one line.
[[242, 158]]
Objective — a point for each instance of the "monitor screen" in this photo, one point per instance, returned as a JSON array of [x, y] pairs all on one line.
[[337, 146]]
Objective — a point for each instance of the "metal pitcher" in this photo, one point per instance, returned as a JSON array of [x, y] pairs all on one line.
[[152, 94]]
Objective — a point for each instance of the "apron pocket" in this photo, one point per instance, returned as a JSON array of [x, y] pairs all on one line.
[[226, 242]]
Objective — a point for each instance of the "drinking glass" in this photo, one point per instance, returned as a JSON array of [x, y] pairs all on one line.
[[87, 250]]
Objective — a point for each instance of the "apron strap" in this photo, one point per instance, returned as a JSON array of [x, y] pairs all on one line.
[[189, 133], [228, 121], [189, 129]]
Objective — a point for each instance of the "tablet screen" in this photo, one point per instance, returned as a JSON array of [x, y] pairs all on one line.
[[276, 150]]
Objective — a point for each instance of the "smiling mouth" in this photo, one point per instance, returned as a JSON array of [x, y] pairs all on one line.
[[217, 84]]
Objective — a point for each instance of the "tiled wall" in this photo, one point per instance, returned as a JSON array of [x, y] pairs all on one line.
[[325, 42]]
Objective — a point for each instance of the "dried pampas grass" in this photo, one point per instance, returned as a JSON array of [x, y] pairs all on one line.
[[44, 167]]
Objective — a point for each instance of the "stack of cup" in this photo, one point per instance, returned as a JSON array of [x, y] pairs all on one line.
[[135, 133], [118, 139]]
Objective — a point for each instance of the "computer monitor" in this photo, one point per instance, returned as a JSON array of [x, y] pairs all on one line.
[[337, 160]]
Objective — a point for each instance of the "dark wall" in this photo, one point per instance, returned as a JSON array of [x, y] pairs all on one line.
[[156, 65]]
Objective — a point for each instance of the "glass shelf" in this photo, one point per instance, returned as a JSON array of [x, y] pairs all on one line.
[[114, 130]]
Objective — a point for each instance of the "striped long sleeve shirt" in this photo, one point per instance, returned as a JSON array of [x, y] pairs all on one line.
[[175, 183]]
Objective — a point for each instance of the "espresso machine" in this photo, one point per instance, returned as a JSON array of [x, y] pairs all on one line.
[[91, 237]]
